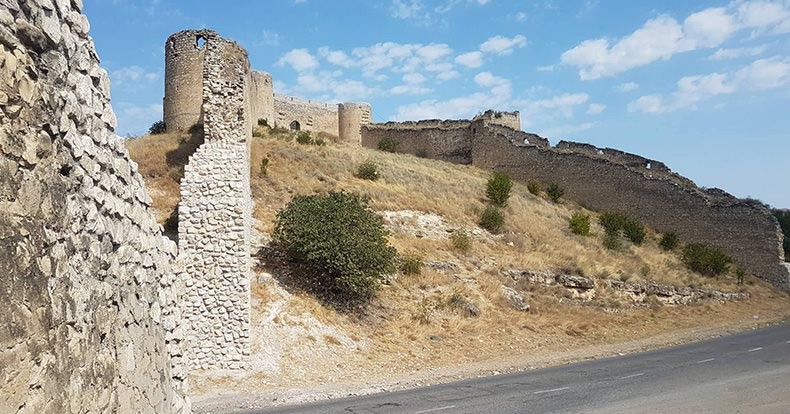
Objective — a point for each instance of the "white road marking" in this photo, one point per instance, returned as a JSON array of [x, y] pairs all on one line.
[[633, 375], [706, 360], [551, 390], [435, 409], [759, 348]]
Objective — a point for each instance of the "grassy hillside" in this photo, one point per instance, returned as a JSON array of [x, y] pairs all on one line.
[[415, 324]]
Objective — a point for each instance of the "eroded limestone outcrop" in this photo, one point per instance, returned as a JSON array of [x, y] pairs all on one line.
[[90, 322]]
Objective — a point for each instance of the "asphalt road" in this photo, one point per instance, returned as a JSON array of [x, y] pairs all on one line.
[[743, 373]]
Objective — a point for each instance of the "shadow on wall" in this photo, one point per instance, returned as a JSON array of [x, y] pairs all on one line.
[[179, 158]]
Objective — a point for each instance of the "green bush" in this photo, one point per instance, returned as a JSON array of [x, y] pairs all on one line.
[[367, 171], [612, 241], [740, 275], [669, 241], [612, 222], [339, 240], [534, 187], [580, 224], [158, 127], [388, 144], [264, 167], [498, 189], [319, 142], [304, 138], [492, 219], [634, 231], [263, 122], [555, 192], [705, 259], [461, 241], [410, 265]]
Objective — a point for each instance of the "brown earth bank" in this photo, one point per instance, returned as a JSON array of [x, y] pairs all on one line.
[[452, 320]]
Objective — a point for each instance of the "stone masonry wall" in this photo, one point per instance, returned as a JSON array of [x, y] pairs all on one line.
[[90, 321], [312, 116], [442, 140], [215, 214], [351, 117], [605, 179]]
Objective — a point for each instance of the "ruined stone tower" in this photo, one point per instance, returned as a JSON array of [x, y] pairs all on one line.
[[214, 215], [261, 97], [350, 118], [184, 54]]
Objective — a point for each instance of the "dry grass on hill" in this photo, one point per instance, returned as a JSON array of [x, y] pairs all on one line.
[[412, 325]]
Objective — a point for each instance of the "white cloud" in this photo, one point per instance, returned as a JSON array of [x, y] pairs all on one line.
[[408, 9], [502, 45], [299, 59], [268, 38], [327, 86], [470, 59], [627, 86], [413, 78], [410, 89], [451, 74], [433, 51], [336, 57], [561, 105], [135, 119], [761, 74], [500, 87], [662, 37], [132, 74], [595, 108], [734, 53], [520, 16]]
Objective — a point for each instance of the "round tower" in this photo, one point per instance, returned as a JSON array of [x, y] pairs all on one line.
[[184, 52], [350, 118]]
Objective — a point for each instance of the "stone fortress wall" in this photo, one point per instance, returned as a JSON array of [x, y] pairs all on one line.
[[214, 215], [182, 103], [90, 322], [603, 179], [305, 115]]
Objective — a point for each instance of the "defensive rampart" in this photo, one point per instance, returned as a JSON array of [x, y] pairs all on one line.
[[604, 179], [304, 115], [214, 216], [90, 321]]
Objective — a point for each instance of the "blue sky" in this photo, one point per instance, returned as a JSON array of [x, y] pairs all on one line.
[[703, 86]]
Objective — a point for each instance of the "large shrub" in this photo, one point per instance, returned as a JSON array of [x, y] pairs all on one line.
[[634, 231], [157, 128], [461, 241], [705, 259], [580, 224], [612, 222], [492, 219], [388, 144], [340, 241], [555, 192], [498, 189], [410, 265], [534, 187], [304, 138]]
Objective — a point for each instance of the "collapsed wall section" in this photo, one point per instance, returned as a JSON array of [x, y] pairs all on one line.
[[215, 214], [745, 230], [305, 115], [442, 140], [90, 316]]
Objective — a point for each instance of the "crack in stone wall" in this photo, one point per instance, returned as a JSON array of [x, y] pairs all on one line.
[[604, 179], [91, 321], [215, 214]]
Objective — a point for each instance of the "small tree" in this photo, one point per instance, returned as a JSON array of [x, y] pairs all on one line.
[[158, 127], [669, 241], [612, 222], [339, 240], [304, 138], [612, 241], [580, 224], [388, 144], [705, 259], [492, 219], [555, 192], [498, 189], [410, 265], [534, 187], [634, 231]]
